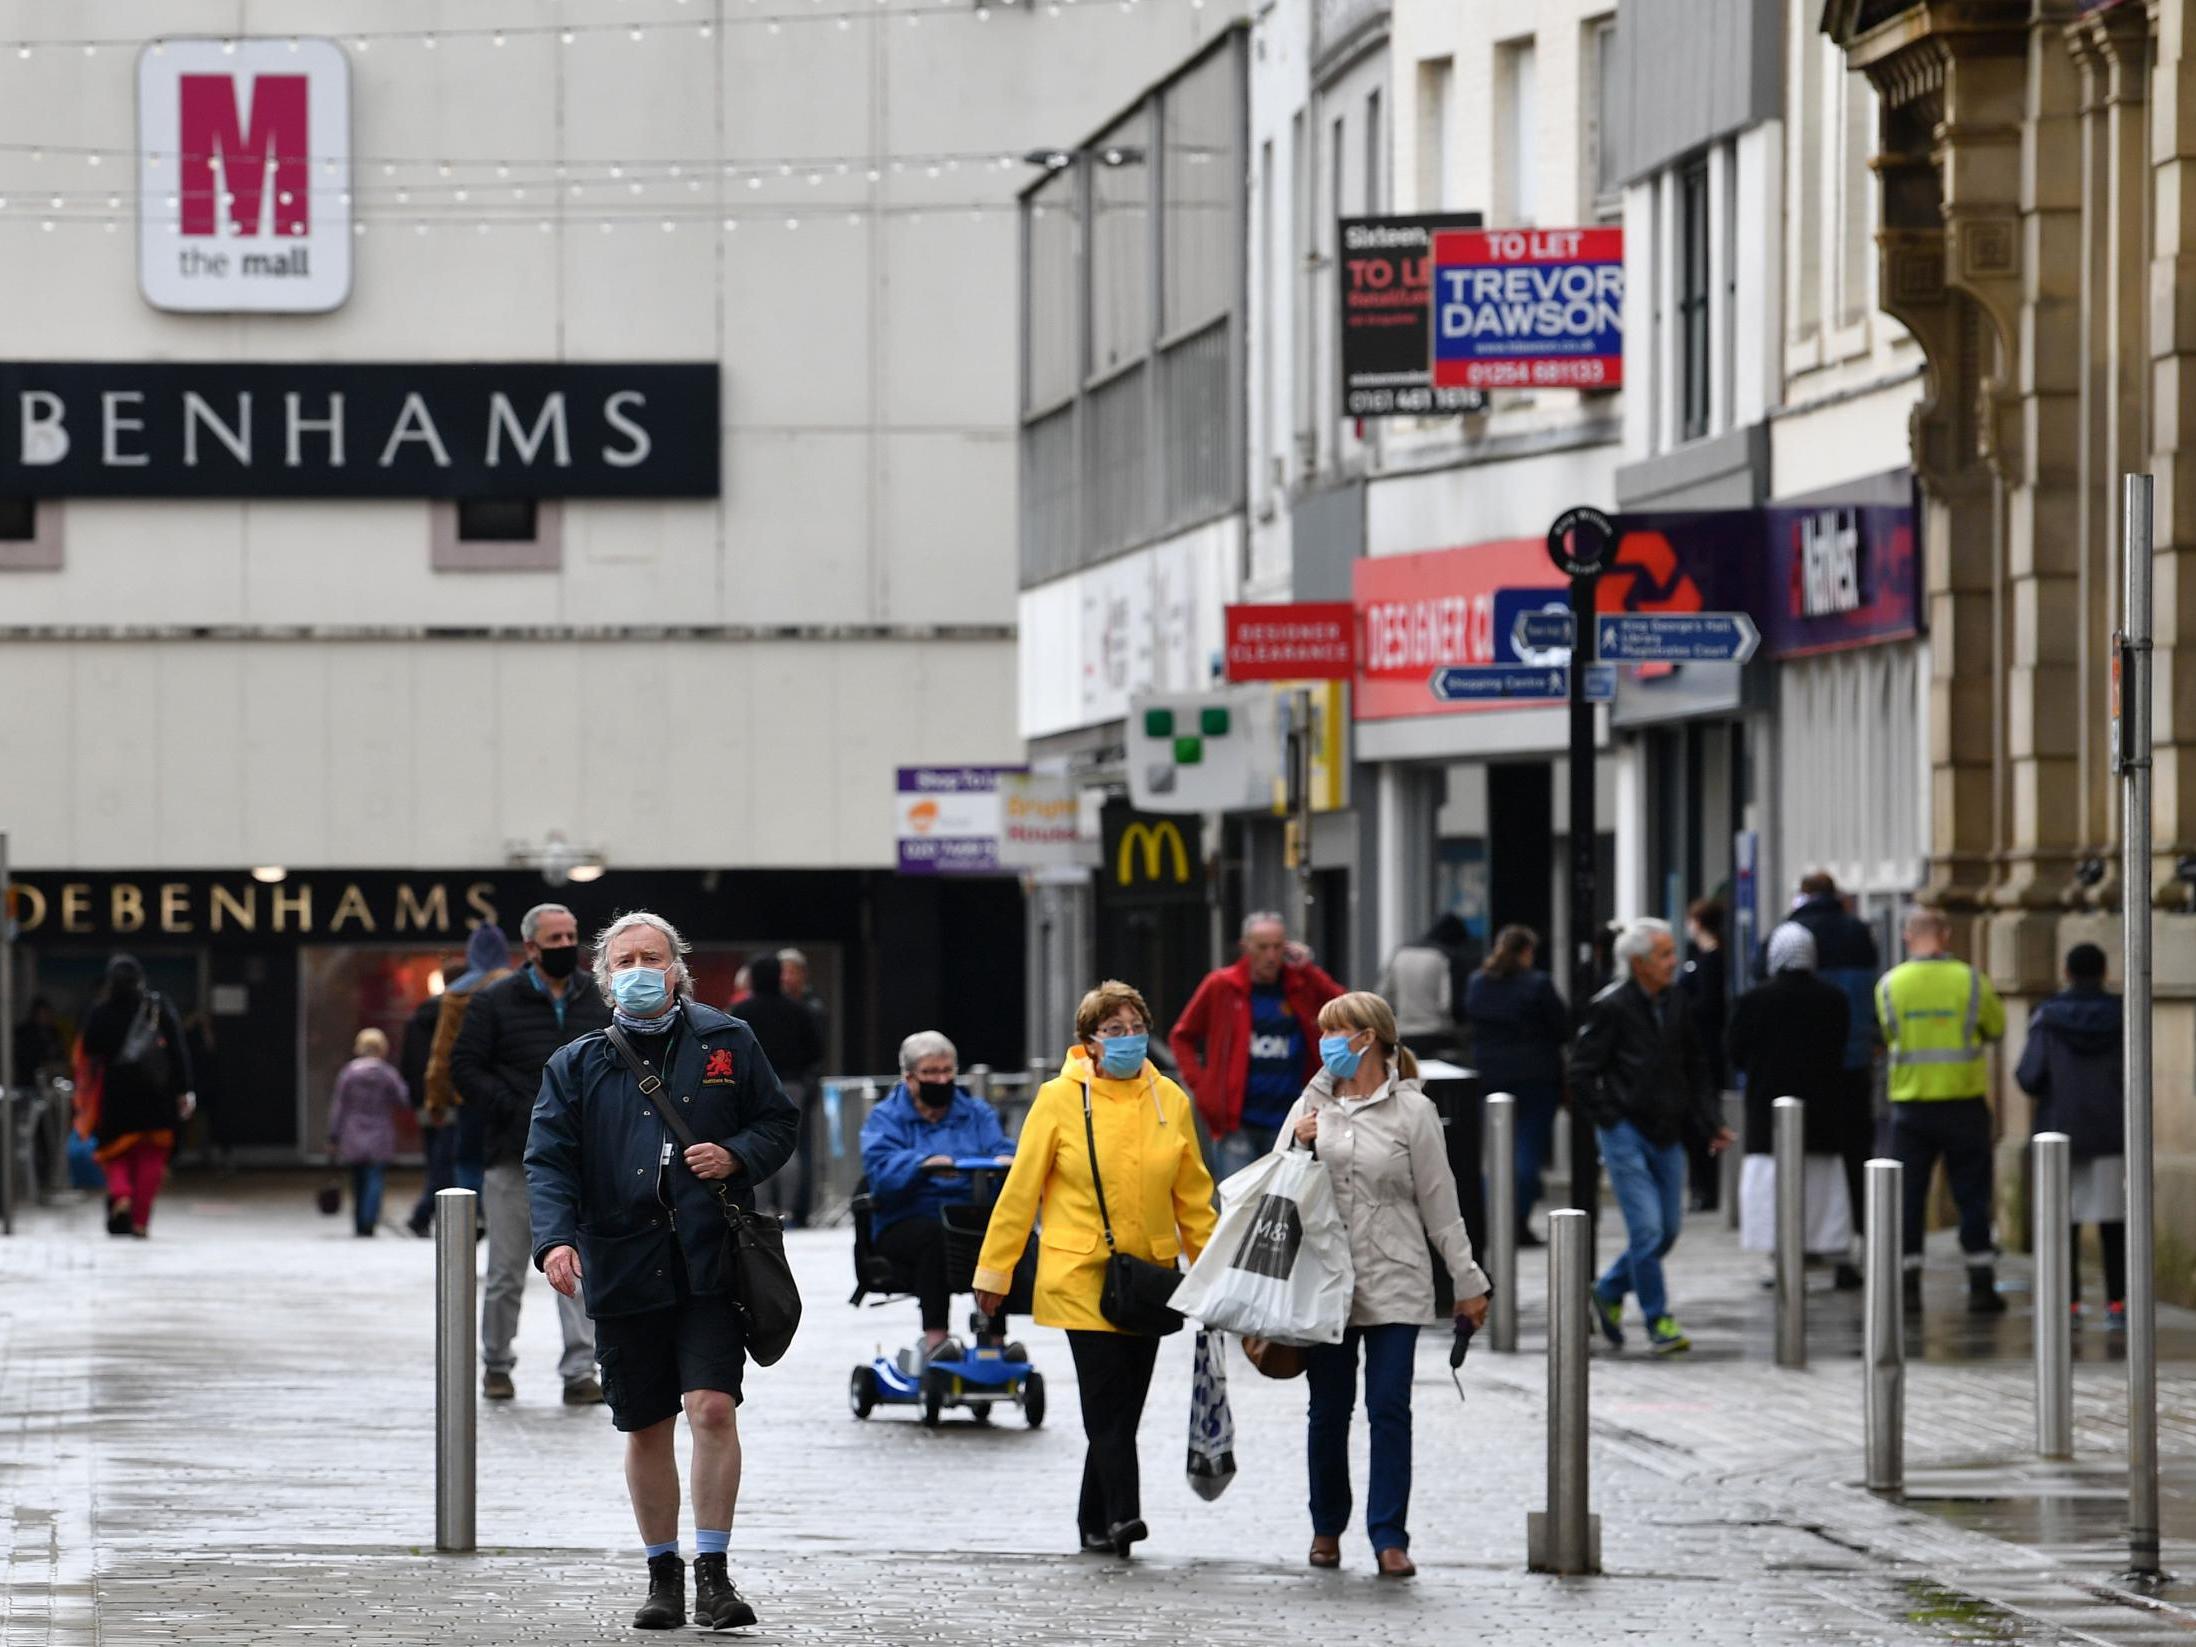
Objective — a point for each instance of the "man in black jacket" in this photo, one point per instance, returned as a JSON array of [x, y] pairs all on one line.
[[509, 1034], [1642, 1075], [437, 1133], [786, 1027]]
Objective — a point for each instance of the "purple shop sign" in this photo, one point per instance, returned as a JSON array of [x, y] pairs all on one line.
[[1836, 577], [947, 819]]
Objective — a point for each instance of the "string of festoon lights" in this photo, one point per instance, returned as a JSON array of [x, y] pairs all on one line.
[[637, 31]]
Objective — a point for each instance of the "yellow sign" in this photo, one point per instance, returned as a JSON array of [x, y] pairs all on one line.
[[1156, 839]]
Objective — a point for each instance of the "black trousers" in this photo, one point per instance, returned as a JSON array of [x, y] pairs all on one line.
[[1958, 1129], [918, 1245], [1857, 1136], [2113, 1239], [1113, 1376]]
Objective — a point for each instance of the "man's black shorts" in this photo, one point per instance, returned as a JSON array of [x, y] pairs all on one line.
[[649, 1361]]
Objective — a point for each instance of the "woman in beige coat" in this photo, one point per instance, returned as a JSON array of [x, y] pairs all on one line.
[[1380, 1140]]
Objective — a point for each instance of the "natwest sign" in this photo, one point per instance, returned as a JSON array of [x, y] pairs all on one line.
[[244, 175]]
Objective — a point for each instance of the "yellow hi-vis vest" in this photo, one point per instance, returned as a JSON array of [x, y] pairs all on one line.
[[1936, 1015]]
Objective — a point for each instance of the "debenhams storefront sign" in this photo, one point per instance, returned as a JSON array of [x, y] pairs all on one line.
[[236, 909]]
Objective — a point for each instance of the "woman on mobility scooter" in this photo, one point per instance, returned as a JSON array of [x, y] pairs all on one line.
[[1111, 1103], [909, 1145]]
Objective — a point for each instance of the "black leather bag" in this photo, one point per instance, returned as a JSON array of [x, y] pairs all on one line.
[[144, 1049], [764, 1293], [1136, 1290]]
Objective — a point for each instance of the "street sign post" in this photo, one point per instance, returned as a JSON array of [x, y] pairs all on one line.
[[1478, 682], [1543, 630], [1601, 682], [1675, 637]]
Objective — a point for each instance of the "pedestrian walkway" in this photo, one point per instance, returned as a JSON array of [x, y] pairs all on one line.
[[226, 1435]]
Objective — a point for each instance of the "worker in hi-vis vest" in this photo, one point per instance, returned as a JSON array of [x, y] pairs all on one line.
[[1937, 1012]]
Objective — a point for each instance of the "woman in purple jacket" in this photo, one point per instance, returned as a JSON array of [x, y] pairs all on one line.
[[362, 1132]]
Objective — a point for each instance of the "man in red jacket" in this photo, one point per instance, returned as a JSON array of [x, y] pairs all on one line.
[[1249, 1040]]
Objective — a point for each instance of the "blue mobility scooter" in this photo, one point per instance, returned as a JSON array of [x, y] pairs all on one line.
[[980, 1374]]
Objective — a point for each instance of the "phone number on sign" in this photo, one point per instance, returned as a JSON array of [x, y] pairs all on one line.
[[1593, 373]]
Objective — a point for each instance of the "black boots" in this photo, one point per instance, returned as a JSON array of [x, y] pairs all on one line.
[[718, 1604], [665, 1608], [1982, 1291]]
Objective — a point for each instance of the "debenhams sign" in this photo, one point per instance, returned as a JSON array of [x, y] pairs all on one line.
[[520, 430]]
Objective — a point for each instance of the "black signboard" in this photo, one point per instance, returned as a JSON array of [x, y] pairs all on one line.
[[381, 430], [1580, 540], [1387, 318], [1152, 857]]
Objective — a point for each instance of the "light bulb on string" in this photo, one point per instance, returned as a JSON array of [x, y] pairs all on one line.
[[428, 41], [669, 226], [499, 37], [754, 182], [605, 226], [91, 159]]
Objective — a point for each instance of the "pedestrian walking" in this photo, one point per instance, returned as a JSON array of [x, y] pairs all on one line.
[[1706, 981], [504, 1041], [362, 1124], [1519, 1028], [2071, 1067], [39, 1044], [606, 1188], [909, 1145], [1108, 1126], [790, 1040], [1641, 1073], [437, 1126], [1379, 1136], [133, 1088], [1247, 1041], [1936, 1012], [1425, 981], [793, 983], [1787, 1039], [1846, 956], [487, 961]]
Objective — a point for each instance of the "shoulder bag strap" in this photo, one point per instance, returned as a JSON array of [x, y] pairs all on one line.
[[1090, 1132], [651, 1085]]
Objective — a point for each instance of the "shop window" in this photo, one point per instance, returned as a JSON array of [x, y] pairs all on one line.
[[498, 535], [18, 520]]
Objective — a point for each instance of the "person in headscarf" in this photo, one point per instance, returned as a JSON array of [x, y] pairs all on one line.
[[133, 1088], [487, 961], [1787, 1040]]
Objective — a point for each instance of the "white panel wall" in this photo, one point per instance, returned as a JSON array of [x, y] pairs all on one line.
[[869, 381]]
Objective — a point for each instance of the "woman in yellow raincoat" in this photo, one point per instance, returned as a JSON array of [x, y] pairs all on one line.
[[1158, 1198]]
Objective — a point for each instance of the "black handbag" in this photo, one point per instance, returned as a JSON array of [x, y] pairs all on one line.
[[144, 1049], [764, 1293], [1136, 1291]]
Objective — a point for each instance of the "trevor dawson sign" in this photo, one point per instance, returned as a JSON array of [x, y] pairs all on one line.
[[216, 430], [244, 175], [1529, 309]]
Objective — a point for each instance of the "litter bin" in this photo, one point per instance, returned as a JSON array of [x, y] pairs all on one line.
[[1458, 1098]]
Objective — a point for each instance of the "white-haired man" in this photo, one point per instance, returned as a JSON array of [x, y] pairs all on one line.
[[607, 1184], [1640, 1072]]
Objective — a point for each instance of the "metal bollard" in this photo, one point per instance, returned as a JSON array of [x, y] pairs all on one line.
[[1502, 1218], [1566, 1537], [1791, 1146], [2050, 1232], [1731, 1160], [979, 1080], [455, 1212], [1883, 1348]]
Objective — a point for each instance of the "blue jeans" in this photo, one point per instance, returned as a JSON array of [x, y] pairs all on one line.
[[1536, 1119], [366, 1180], [1331, 1370], [1230, 1155], [1649, 1180]]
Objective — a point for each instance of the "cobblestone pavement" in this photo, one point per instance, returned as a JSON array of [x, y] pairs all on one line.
[[226, 1434]]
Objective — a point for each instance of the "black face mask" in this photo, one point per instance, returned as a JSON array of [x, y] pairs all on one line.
[[934, 1094], [561, 962]]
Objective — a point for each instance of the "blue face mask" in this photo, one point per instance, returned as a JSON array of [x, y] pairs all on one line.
[[1335, 1053], [1124, 1055], [640, 990]]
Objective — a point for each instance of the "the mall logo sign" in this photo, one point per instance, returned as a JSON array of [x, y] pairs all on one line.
[[244, 175]]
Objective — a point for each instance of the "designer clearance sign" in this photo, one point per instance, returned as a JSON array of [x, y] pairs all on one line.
[[1529, 309], [244, 175]]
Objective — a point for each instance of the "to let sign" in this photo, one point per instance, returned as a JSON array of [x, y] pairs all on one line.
[[244, 175], [1387, 306], [1529, 309], [1303, 641]]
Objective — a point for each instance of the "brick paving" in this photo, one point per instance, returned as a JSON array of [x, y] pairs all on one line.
[[225, 1435]]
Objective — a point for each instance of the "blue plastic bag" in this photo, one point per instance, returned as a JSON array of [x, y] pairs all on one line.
[[85, 1172]]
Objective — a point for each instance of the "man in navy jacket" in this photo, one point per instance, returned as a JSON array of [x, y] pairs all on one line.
[[616, 1202], [909, 1145]]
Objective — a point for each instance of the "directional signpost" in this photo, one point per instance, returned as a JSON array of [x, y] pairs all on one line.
[[1544, 629], [1601, 683], [1675, 637], [1479, 682]]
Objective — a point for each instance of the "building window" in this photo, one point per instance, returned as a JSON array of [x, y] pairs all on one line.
[[1435, 76], [1807, 177], [18, 520], [497, 520], [30, 535], [1692, 300], [1856, 237], [1375, 198], [497, 535], [1515, 134], [1120, 246], [1597, 139]]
